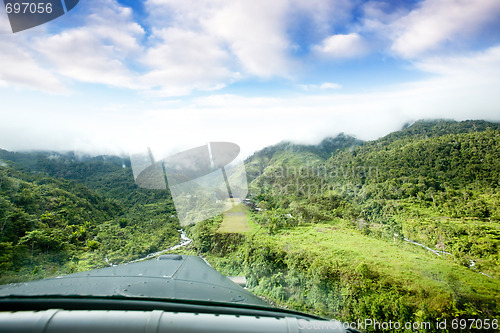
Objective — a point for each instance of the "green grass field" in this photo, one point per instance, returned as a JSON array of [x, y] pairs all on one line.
[[414, 267], [338, 272], [235, 219]]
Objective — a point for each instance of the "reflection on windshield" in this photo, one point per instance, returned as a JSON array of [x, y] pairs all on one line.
[[203, 181]]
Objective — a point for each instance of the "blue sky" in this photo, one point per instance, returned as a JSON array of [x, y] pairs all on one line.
[[115, 76]]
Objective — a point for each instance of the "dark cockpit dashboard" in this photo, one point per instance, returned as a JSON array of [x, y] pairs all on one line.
[[175, 293]]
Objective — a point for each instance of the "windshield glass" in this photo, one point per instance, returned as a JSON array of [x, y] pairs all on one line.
[[338, 158]]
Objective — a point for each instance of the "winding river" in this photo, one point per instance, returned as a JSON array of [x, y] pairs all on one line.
[[439, 253]]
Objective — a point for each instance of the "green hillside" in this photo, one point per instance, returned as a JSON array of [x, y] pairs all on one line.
[[288, 154], [403, 228], [110, 176], [53, 226]]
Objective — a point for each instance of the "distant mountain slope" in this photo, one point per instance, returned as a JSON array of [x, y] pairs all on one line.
[[37, 194], [40, 214], [289, 155], [52, 226], [435, 182], [457, 154], [405, 228], [424, 129], [110, 176]]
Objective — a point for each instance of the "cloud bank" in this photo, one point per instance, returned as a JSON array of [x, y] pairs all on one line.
[[191, 46], [251, 72]]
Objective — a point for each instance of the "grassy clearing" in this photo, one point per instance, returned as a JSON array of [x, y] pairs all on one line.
[[335, 271], [416, 268], [235, 220]]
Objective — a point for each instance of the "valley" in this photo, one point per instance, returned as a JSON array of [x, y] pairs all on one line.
[[345, 229]]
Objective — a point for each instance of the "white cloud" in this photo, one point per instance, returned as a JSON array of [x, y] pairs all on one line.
[[253, 33], [104, 22], [342, 46], [192, 46], [322, 15], [207, 45], [487, 61], [462, 88], [469, 92], [437, 22], [323, 86], [184, 60], [20, 69], [329, 85], [99, 51]]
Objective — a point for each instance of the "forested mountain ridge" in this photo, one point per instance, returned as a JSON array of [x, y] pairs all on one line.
[[440, 189], [424, 129], [437, 171], [323, 150], [108, 175], [42, 216], [406, 227], [287, 155], [403, 228], [458, 159], [53, 226]]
